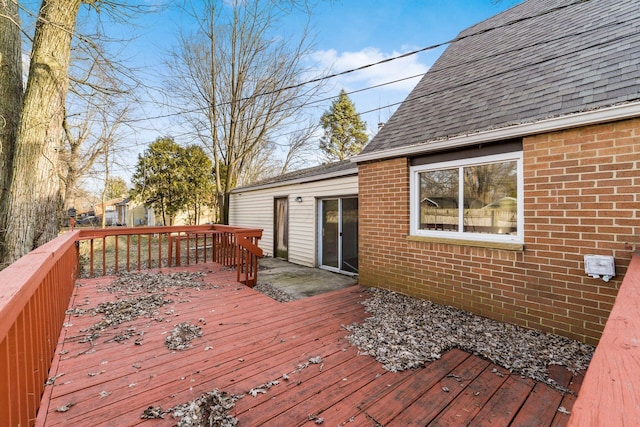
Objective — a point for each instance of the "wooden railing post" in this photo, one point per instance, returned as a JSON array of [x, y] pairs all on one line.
[[247, 255]]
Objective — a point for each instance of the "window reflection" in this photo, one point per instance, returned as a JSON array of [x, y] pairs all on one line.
[[439, 200], [489, 200]]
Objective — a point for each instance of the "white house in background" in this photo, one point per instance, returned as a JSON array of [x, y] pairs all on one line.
[[110, 211], [134, 214], [309, 217]]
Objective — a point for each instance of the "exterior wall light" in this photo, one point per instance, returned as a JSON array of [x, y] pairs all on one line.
[[299, 199]]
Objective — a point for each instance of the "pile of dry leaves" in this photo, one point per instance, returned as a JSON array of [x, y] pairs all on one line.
[[404, 333]]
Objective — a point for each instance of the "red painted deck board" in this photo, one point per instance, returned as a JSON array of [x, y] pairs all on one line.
[[384, 408], [295, 405], [465, 407], [568, 400], [348, 408], [505, 403], [439, 395], [543, 402], [248, 340]]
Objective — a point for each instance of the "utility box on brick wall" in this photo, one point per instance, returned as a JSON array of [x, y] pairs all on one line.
[[598, 266]]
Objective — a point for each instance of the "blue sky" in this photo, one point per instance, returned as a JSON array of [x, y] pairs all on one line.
[[347, 34], [352, 33]]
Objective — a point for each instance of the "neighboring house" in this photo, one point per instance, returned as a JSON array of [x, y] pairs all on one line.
[[534, 115], [109, 211], [309, 217], [184, 217], [132, 214], [125, 212]]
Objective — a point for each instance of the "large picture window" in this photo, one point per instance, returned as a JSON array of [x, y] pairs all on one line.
[[476, 199]]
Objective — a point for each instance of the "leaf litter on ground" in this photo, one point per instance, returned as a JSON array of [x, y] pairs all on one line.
[[405, 332]]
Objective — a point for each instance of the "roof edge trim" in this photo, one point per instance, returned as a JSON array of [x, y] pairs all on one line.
[[602, 115], [323, 177]]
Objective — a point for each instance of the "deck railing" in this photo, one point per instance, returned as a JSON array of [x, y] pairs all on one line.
[[34, 295], [111, 250], [610, 392], [35, 291]]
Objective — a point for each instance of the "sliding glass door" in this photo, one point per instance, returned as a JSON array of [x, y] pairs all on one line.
[[338, 239]]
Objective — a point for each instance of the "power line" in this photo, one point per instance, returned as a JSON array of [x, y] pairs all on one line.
[[415, 52], [464, 63], [318, 101], [408, 99], [366, 66]]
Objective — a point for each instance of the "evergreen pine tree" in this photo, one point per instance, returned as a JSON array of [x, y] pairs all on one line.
[[344, 131]]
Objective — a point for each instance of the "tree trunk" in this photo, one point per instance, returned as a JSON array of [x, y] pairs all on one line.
[[103, 194], [10, 97], [70, 183], [34, 202], [70, 173], [224, 208]]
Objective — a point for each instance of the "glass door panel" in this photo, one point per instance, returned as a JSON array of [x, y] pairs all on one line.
[[330, 229], [349, 235], [281, 228]]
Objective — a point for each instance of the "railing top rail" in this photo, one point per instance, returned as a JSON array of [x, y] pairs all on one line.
[[233, 228], [250, 231], [97, 233], [20, 280]]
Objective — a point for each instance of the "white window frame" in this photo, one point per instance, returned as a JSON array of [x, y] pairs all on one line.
[[462, 235]]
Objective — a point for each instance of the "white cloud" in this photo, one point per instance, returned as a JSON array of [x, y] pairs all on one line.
[[371, 76]]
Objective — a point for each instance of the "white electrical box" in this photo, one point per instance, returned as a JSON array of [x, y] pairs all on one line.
[[599, 265]]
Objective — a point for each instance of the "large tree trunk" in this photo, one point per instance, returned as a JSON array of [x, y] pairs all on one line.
[[10, 95], [34, 201]]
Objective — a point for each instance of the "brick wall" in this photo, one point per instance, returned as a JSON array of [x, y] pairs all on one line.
[[582, 196]]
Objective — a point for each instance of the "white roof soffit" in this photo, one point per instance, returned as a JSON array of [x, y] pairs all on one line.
[[602, 115], [322, 177]]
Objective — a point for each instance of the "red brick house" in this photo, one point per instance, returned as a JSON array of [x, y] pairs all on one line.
[[516, 155]]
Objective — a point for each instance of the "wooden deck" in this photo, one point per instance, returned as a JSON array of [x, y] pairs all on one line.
[[248, 340]]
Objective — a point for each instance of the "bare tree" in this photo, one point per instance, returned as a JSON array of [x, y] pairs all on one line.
[[102, 90], [93, 139], [78, 154], [109, 140], [240, 81], [300, 142]]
